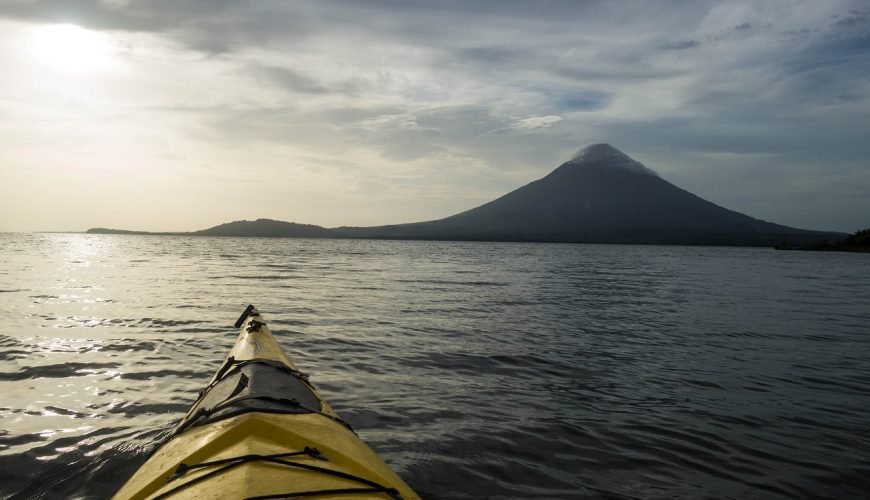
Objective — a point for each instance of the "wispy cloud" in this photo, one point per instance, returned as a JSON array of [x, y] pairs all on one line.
[[681, 45]]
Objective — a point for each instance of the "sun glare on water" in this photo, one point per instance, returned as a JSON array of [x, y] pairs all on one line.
[[71, 49]]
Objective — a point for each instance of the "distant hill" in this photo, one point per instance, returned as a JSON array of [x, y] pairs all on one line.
[[600, 196], [256, 228], [103, 230], [268, 228]]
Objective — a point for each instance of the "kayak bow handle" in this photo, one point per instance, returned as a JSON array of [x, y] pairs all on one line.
[[244, 316]]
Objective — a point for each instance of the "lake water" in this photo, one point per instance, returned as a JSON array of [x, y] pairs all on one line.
[[477, 370]]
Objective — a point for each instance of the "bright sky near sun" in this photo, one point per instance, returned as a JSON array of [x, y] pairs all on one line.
[[180, 115], [71, 49]]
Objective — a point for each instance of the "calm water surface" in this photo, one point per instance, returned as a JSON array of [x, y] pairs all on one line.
[[477, 370]]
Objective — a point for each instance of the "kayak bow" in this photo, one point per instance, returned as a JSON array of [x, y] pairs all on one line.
[[260, 430]]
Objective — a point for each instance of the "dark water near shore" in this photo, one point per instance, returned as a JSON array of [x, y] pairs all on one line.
[[477, 370]]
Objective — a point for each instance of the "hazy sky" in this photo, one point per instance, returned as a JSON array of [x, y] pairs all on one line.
[[180, 115]]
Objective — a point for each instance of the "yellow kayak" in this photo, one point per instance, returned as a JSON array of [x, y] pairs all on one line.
[[260, 430]]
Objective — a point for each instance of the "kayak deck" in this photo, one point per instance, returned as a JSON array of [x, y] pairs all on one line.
[[261, 430]]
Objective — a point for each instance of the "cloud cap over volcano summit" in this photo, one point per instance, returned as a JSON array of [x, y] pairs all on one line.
[[605, 155]]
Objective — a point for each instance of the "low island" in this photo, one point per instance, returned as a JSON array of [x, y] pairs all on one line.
[[858, 242]]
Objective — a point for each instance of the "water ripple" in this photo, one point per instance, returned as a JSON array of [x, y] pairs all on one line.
[[477, 370]]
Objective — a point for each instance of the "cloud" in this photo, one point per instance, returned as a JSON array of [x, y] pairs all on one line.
[[379, 92], [855, 18], [681, 45], [534, 122], [295, 81]]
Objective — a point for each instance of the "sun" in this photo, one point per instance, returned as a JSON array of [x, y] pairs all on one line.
[[71, 49]]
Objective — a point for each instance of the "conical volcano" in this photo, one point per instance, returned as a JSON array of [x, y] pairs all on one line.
[[600, 196]]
